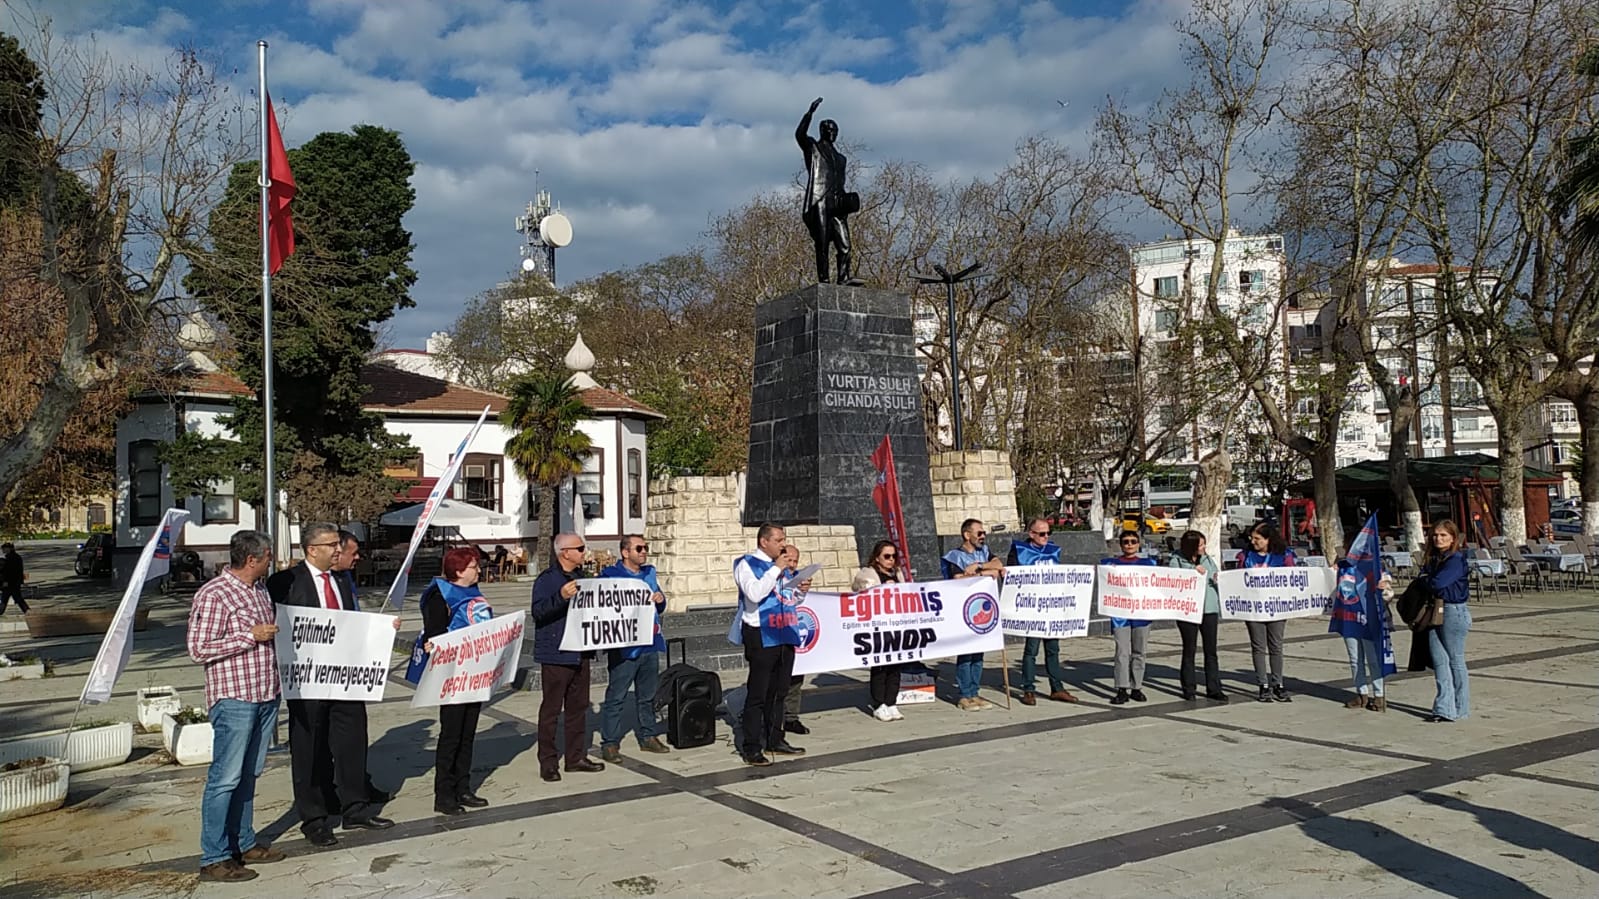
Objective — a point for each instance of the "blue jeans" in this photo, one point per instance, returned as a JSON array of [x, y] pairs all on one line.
[[240, 732], [1365, 663], [644, 676], [1057, 677], [969, 674], [1448, 645]]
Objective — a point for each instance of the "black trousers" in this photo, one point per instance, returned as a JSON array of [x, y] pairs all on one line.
[[766, 690], [9, 592], [452, 760], [565, 687], [1206, 630], [885, 685], [327, 755]]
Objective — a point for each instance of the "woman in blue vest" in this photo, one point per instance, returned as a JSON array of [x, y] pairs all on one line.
[[1131, 634], [882, 567], [1445, 573], [1191, 555], [1268, 549], [450, 603]]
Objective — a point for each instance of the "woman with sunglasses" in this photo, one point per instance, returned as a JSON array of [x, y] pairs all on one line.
[[1268, 549], [1131, 634], [882, 567]]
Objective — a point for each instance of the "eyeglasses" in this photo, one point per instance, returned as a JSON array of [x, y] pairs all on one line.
[[1130, 542], [980, 534], [888, 557], [641, 548], [580, 547], [1040, 533], [313, 545]]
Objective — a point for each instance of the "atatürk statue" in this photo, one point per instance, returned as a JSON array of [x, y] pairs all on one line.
[[827, 206]]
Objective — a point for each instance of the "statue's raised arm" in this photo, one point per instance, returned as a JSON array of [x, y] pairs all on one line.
[[827, 206], [802, 134]]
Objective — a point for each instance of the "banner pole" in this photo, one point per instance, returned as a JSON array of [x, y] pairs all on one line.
[[1004, 660]]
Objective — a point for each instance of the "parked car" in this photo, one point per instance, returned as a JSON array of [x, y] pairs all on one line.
[[1130, 522], [95, 555], [1179, 520], [1566, 521]]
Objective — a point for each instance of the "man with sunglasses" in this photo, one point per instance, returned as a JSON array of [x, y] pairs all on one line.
[[971, 559], [633, 666], [563, 675], [1038, 550]]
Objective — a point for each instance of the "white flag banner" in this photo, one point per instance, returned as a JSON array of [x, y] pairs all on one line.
[[609, 613], [469, 664], [333, 654], [1050, 601], [1275, 594], [402, 578], [154, 562], [894, 623], [1151, 593]]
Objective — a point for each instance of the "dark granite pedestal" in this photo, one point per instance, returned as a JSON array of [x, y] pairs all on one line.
[[835, 370]]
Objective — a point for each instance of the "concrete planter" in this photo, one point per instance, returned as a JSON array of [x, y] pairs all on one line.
[[154, 703], [22, 672], [188, 744], [86, 749], [29, 791]]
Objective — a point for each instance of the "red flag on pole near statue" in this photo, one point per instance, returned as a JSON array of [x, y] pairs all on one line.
[[886, 495], [280, 227]]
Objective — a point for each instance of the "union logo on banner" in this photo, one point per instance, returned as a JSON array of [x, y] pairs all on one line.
[[809, 627], [982, 613], [163, 544]]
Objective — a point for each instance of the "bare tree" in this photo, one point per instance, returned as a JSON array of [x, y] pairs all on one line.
[[149, 149]]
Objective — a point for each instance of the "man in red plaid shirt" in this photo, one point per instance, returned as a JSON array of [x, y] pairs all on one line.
[[231, 629]]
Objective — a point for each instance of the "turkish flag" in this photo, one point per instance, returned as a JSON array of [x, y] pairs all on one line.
[[886, 495], [280, 226]]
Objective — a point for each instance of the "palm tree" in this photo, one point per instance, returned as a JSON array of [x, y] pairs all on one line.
[[1579, 190], [547, 448]]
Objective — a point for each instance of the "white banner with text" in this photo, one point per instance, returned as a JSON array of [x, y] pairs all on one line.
[[894, 623], [1050, 601], [333, 654], [1151, 593], [469, 664], [1274, 594], [609, 613]]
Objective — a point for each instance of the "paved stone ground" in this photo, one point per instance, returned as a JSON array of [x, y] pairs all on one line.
[[1163, 799]]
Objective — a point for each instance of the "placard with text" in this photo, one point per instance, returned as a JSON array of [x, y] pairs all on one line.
[[333, 654]]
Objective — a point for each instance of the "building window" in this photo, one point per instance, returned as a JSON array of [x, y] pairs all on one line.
[[591, 485], [220, 505], [144, 483], [97, 515], [1248, 281], [1166, 287], [480, 480], [1166, 321], [635, 484]]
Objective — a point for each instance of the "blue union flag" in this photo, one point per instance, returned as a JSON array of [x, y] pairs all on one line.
[[1359, 610]]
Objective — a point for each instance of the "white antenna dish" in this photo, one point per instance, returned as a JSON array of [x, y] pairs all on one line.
[[555, 230], [528, 264]]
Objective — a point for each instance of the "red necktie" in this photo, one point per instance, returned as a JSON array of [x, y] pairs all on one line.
[[329, 595]]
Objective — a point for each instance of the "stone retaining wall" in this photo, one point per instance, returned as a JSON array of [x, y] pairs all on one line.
[[977, 484]]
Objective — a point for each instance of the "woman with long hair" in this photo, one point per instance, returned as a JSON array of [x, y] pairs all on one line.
[[450, 603], [1268, 549], [1191, 555], [882, 567], [1446, 576]]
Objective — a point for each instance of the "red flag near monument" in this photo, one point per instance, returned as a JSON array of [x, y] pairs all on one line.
[[886, 495], [280, 226]]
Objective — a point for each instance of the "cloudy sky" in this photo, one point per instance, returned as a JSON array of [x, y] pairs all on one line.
[[646, 118]]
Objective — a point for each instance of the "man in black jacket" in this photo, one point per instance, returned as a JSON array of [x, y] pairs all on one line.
[[563, 675], [12, 577], [327, 737]]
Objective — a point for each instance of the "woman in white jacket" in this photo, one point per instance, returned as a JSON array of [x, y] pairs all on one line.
[[882, 567]]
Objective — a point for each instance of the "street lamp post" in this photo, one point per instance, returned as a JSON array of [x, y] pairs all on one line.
[[949, 281]]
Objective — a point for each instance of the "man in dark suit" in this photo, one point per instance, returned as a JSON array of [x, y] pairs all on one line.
[[327, 737]]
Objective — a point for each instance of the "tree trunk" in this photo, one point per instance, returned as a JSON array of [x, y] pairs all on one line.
[[542, 554], [1588, 477], [1512, 490], [1403, 406], [1210, 496], [1324, 473]]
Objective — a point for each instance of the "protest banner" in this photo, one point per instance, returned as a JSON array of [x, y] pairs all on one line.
[[894, 623], [441, 489], [333, 654], [1151, 593], [1050, 601], [609, 613], [1275, 594], [468, 665], [117, 647]]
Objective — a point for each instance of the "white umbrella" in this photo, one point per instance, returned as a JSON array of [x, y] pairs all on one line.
[[579, 523], [450, 513]]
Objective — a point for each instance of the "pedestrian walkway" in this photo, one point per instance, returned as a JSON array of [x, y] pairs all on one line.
[[1167, 798]]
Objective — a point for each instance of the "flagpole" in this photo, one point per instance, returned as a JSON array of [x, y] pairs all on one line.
[[266, 307]]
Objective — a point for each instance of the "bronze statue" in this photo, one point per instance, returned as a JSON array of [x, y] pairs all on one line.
[[827, 205]]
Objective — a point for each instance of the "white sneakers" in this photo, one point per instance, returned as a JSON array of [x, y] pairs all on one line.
[[888, 713]]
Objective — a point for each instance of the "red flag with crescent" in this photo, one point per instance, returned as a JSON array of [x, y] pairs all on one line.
[[886, 495]]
